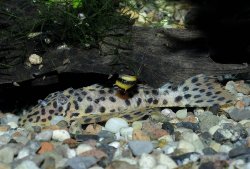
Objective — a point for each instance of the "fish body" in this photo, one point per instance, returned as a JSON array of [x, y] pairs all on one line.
[[96, 103]]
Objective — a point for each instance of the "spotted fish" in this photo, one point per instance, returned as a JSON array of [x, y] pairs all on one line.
[[96, 103]]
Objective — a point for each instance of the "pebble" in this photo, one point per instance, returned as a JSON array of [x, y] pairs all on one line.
[[185, 146], [27, 164], [60, 135], [46, 147], [85, 137], [194, 139], [193, 126], [170, 148], [9, 118], [7, 154], [166, 161], [140, 147], [45, 135], [239, 114], [115, 124], [106, 136], [83, 148], [147, 161], [121, 165], [168, 127], [168, 113], [81, 162], [24, 152], [137, 125], [238, 151], [140, 135], [4, 139], [127, 133], [207, 120], [181, 114], [56, 119]]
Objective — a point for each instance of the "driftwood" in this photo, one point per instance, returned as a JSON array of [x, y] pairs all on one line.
[[159, 55]]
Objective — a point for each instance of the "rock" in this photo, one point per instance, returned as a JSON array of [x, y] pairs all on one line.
[[34, 146], [215, 146], [170, 148], [137, 125], [207, 165], [24, 152], [13, 125], [209, 151], [206, 138], [153, 130], [81, 162], [71, 143], [60, 135], [140, 147], [127, 133], [168, 113], [115, 144], [121, 165], [181, 114], [4, 166], [147, 161], [46, 147], [45, 135], [4, 128], [4, 139], [106, 136], [109, 150], [98, 154], [9, 118], [115, 124], [193, 126], [93, 129], [7, 155], [185, 146], [27, 164], [160, 166], [207, 120], [22, 139], [168, 127], [49, 163], [83, 148], [239, 151], [166, 161], [35, 59], [225, 148], [238, 114], [186, 158], [140, 135], [83, 137], [194, 140]]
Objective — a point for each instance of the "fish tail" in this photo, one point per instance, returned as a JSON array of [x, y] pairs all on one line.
[[197, 91]]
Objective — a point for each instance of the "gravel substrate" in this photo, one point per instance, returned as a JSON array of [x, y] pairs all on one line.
[[201, 138]]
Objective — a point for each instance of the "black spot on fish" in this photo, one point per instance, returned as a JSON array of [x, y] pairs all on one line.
[[214, 96], [197, 96], [55, 104], [198, 84], [198, 101], [89, 98], [43, 111], [97, 101], [51, 111], [218, 92], [83, 93], [155, 92], [186, 96], [229, 101], [102, 98], [175, 88], [155, 101], [68, 107], [44, 120], [150, 100], [60, 109], [91, 90], [128, 117], [164, 102], [76, 104], [98, 119], [209, 84], [127, 102], [209, 93], [187, 105], [112, 110], [202, 90], [71, 121], [75, 114], [146, 92], [87, 120], [138, 101], [89, 109], [36, 113], [210, 87], [137, 113], [30, 120], [49, 117], [209, 101], [194, 80], [110, 91], [112, 99], [186, 88], [79, 99], [178, 98], [71, 91], [195, 89], [56, 113], [101, 91], [102, 109], [221, 98], [37, 118]]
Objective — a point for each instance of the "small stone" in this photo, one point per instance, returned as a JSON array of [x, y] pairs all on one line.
[[213, 129], [127, 133], [186, 158], [160, 166], [153, 130], [7, 155], [168, 127], [137, 125], [209, 151], [225, 148], [168, 113], [35, 59], [22, 139], [240, 105], [239, 151], [27, 164], [98, 154], [207, 120], [191, 119], [45, 135], [106, 136], [193, 126], [115, 124], [207, 165], [166, 161], [4, 139], [71, 143], [237, 114], [60, 135], [109, 150], [83, 148], [222, 135], [81, 162], [13, 125], [121, 165], [241, 87], [169, 148], [83, 137], [147, 161], [56, 119], [48, 163], [181, 114], [46, 147], [140, 135], [93, 129], [140, 147], [215, 146], [24, 152], [4, 166], [115, 144], [194, 139], [4, 128], [185, 146]]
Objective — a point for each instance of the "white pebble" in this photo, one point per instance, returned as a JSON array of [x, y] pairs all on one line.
[[13, 125], [127, 133], [95, 167], [181, 114], [225, 148], [168, 113], [213, 129], [131, 161], [35, 59], [83, 148], [27, 165], [166, 161], [71, 153], [24, 152], [115, 124], [185, 146], [44, 135], [170, 148], [60, 135], [214, 145], [137, 125], [115, 144], [194, 139], [147, 161], [160, 166]]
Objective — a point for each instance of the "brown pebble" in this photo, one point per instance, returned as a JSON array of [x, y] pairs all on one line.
[[154, 131], [93, 129], [240, 105], [121, 165], [140, 135], [94, 153], [45, 147], [4, 128], [191, 119], [16, 134], [71, 143]]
